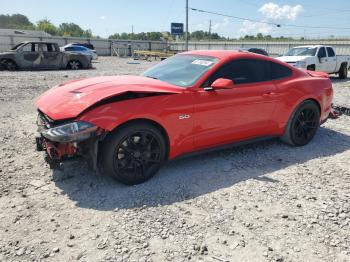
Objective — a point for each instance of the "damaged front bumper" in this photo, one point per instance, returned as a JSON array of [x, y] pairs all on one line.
[[67, 140]]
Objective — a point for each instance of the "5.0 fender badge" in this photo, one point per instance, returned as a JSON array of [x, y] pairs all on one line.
[[182, 117]]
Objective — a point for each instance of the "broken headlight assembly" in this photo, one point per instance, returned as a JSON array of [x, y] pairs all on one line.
[[71, 132]]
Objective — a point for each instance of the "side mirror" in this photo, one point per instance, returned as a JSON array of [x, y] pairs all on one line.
[[221, 83]]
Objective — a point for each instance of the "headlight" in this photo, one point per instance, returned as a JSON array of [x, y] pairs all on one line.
[[301, 64], [72, 132]]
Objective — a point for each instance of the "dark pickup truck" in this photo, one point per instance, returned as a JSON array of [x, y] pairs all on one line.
[[42, 55]]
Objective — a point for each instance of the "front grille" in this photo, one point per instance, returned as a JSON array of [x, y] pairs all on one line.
[[44, 122]]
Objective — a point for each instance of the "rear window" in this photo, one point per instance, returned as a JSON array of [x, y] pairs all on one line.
[[330, 52]]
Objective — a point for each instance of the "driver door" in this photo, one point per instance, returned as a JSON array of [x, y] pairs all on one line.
[[236, 114], [27, 55]]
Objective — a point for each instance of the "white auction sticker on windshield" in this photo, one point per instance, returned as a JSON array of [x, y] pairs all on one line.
[[202, 62]]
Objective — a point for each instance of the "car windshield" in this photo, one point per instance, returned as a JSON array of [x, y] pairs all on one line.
[[181, 70], [302, 51], [17, 46]]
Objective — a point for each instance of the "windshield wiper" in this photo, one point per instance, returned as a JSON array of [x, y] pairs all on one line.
[[153, 77]]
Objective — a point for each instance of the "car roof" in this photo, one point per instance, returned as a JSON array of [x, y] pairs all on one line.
[[70, 45], [311, 46], [223, 54], [37, 42], [234, 54]]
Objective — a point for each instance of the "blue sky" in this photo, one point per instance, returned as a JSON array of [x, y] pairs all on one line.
[[105, 17]]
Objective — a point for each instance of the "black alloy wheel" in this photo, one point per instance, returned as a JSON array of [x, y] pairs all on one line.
[[134, 154], [303, 124]]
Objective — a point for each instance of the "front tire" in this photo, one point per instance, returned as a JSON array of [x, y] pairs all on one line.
[[11, 65], [133, 153], [303, 124]]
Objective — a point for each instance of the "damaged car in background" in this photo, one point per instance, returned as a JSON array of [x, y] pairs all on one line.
[[42, 55], [128, 126], [76, 49]]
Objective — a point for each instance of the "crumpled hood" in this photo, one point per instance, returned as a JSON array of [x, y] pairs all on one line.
[[292, 58], [68, 100]]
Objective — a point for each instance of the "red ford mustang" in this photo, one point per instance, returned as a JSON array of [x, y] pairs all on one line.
[[127, 126]]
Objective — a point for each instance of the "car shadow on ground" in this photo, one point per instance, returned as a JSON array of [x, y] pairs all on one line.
[[336, 80], [191, 177]]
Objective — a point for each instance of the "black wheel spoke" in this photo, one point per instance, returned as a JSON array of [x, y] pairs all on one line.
[[125, 149], [305, 125], [149, 142], [138, 154]]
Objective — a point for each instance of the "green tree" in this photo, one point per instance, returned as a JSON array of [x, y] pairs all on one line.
[[71, 29], [16, 21], [46, 26], [259, 36]]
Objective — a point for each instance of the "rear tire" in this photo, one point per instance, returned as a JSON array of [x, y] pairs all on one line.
[[74, 65], [343, 71], [302, 125], [133, 153]]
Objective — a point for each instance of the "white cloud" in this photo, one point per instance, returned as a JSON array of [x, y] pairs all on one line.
[[102, 17], [286, 12], [271, 13], [221, 25], [218, 26], [249, 27], [201, 26]]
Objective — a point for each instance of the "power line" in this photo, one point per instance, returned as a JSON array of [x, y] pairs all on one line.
[[265, 22], [320, 7], [231, 16]]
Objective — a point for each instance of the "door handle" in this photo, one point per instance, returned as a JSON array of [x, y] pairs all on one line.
[[269, 94]]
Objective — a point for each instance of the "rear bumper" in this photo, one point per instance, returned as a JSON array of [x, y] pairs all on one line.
[[333, 114]]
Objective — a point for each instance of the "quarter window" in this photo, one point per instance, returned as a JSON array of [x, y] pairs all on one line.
[[250, 71], [279, 71]]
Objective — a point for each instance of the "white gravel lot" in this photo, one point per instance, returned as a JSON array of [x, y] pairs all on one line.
[[263, 202]]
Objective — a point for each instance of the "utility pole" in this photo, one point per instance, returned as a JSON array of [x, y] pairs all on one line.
[[186, 37], [209, 30], [132, 29]]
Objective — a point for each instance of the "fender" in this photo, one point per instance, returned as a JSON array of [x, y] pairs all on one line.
[[168, 114]]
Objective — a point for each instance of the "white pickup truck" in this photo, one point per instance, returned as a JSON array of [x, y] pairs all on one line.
[[317, 58]]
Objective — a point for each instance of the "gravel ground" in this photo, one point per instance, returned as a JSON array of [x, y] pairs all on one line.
[[263, 202]]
